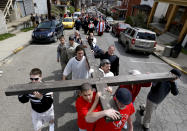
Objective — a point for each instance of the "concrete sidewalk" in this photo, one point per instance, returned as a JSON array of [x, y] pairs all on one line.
[[180, 62], [13, 45]]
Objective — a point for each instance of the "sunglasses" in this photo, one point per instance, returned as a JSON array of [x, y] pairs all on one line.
[[34, 79]]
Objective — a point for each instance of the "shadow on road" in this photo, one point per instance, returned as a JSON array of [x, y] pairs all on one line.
[[62, 105], [56, 77]]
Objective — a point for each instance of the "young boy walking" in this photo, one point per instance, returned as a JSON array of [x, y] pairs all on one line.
[[41, 103], [62, 53]]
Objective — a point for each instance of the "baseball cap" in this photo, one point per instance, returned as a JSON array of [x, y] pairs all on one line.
[[176, 72], [124, 96]]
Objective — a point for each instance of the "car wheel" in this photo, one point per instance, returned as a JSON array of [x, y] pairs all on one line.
[[115, 34], [127, 50], [147, 53], [119, 40], [55, 38]]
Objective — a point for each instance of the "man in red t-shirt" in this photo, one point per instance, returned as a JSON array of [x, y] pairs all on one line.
[[135, 88], [85, 104], [123, 101]]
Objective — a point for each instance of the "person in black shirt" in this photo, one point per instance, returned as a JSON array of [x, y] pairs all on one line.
[[157, 94], [95, 49], [41, 104], [114, 60]]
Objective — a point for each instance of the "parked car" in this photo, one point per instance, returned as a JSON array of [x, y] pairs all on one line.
[[76, 15], [110, 20], [138, 39], [119, 27], [48, 31], [68, 22]]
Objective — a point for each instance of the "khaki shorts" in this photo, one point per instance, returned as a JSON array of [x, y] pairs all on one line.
[[40, 120]]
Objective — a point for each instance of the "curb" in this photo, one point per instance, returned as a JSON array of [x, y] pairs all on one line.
[[171, 63], [13, 53]]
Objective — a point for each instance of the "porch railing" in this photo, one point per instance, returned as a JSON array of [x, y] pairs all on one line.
[[7, 8]]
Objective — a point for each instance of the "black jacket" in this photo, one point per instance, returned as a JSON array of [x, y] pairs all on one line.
[[160, 90], [114, 60]]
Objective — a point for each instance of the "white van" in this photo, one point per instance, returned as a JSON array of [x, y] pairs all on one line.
[[76, 15]]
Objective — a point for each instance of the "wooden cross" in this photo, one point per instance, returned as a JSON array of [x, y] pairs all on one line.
[[97, 80]]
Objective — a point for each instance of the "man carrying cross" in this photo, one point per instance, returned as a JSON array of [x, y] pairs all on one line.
[[123, 100]]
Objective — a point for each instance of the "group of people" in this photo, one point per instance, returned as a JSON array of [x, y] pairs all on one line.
[[91, 24], [89, 111]]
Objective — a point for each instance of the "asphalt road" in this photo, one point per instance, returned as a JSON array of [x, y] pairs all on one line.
[[17, 117]]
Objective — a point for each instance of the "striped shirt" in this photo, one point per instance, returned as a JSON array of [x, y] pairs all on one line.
[[38, 105]]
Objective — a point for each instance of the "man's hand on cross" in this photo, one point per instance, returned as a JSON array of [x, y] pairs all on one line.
[[37, 95], [109, 89], [115, 115]]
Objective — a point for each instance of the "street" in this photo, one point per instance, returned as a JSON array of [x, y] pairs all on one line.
[[16, 116]]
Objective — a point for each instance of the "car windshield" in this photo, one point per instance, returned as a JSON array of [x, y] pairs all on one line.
[[68, 20], [46, 25], [122, 26], [109, 18], [76, 15], [145, 35]]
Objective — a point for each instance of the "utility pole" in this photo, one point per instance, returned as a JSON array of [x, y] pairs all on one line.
[[49, 9]]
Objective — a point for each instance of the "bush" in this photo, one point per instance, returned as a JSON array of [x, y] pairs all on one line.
[[184, 51], [140, 20], [129, 21], [71, 9]]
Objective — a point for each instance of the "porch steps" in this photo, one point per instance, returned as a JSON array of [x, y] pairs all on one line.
[[166, 38]]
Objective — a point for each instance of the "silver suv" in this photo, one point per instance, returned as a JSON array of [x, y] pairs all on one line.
[[138, 39]]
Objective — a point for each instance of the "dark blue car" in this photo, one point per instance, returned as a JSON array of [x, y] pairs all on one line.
[[48, 31]]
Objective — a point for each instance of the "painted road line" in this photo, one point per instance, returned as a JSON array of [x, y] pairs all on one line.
[[171, 63], [18, 49], [146, 62]]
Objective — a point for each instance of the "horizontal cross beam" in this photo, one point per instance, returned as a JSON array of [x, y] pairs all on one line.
[[69, 85]]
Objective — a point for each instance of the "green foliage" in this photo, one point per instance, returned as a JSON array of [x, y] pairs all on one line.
[[78, 10], [6, 36], [184, 51], [71, 9], [129, 21], [140, 20], [56, 11], [27, 29]]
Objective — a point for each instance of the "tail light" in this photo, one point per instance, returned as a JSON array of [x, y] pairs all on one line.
[[133, 41], [155, 44]]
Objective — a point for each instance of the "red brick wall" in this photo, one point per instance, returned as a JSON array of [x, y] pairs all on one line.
[[131, 3]]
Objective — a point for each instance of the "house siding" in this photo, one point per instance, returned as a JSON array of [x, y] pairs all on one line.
[[29, 7]]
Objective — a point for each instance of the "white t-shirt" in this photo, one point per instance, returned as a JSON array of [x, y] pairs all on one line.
[[109, 74], [79, 69]]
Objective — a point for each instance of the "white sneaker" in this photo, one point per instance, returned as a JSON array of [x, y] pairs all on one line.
[[1, 72]]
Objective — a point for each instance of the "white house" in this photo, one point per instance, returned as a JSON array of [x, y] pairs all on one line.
[[40, 6], [161, 11]]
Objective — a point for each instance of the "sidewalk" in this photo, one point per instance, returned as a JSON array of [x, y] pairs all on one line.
[[179, 62], [13, 45]]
